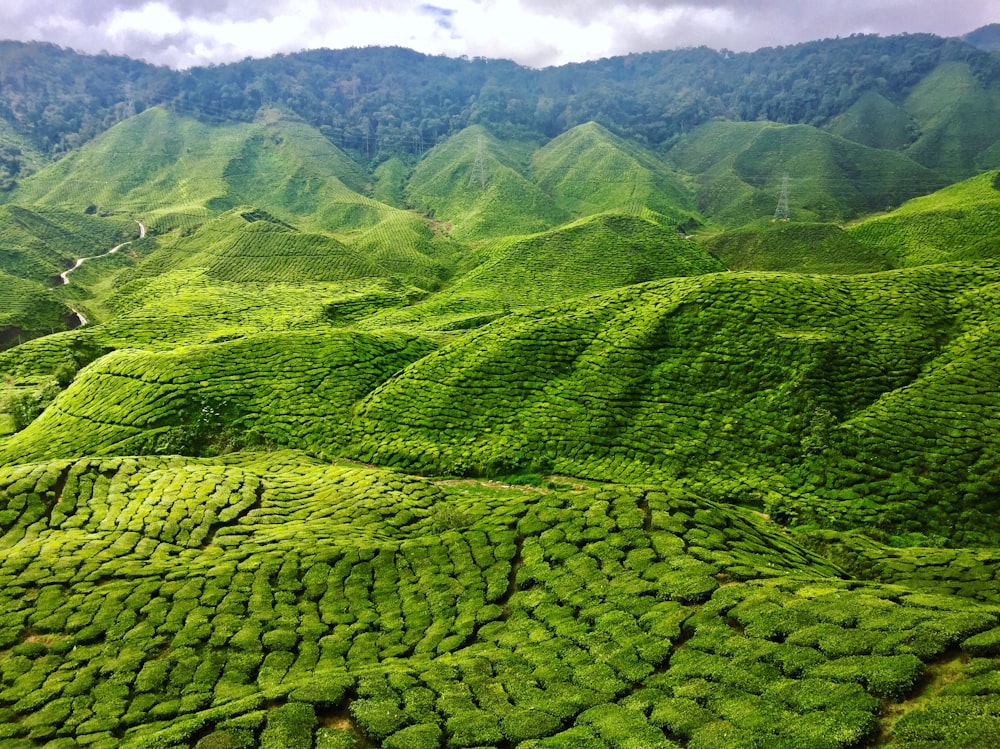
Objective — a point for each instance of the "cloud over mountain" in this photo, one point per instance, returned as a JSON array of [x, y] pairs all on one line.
[[184, 33]]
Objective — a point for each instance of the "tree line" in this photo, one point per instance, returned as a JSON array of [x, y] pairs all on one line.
[[377, 102]]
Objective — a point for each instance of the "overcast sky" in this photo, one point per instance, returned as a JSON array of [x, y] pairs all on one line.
[[184, 33]]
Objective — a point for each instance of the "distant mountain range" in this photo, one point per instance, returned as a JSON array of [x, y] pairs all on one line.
[[379, 102]]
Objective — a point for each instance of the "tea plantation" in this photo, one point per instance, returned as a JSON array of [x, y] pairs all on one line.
[[278, 601], [517, 444]]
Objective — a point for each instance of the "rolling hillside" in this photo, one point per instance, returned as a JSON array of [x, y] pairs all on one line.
[[588, 170], [519, 423], [740, 168], [957, 223]]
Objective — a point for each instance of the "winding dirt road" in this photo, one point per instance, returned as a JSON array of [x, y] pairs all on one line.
[[64, 276]]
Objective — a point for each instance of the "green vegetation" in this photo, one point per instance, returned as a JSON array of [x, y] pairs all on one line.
[[959, 222], [797, 247], [876, 122], [257, 600], [956, 114], [475, 183], [505, 416], [739, 167]]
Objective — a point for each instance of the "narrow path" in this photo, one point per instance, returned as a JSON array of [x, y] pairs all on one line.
[[64, 276]]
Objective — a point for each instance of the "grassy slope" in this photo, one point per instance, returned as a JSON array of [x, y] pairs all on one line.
[[304, 179], [957, 119], [740, 167], [498, 201], [250, 245], [960, 222], [587, 256], [876, 122], [796, 247], [157, 164], [589, 170]]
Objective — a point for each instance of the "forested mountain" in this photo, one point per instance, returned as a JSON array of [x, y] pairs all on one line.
[[371, 400], [376, 102]]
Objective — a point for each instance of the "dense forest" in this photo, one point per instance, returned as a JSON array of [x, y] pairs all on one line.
[[378, 102]]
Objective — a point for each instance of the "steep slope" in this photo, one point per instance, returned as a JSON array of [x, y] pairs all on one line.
[[747, 385], [296, 172], [594, 254], [960, 222], [740, 169], [155, 164], [876, 122], [588, 170], [957, 117], [40, 243], [29, 310], [475, 183]]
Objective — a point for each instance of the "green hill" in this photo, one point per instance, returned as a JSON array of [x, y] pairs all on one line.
[[476, 184], [746, 383], [296, 172], [876, 122], [740, 169], [795, 247], [249, 245], [274, 390], [960, 222], [174, 167], [957, 117], [588, 170], [583, 257]]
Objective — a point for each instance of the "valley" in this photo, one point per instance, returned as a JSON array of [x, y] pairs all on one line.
[[522, 439]]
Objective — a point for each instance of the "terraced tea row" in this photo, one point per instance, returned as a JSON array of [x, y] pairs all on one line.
[[595, 254], [274, 601], [748, 386], [277, 390]]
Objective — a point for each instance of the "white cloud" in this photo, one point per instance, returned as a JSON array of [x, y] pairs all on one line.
[[534, 32], [156, 20]]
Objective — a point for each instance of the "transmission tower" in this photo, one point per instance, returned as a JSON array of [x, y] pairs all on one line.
[[129, 110], [479, 168], [781, 212]]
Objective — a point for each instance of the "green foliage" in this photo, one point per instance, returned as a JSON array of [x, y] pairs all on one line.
[[796, 247], [740, 168], [240, 507], [289, 727], [959, 222]]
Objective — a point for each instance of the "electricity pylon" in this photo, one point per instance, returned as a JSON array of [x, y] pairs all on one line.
[[479, 168], [781, 212]]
